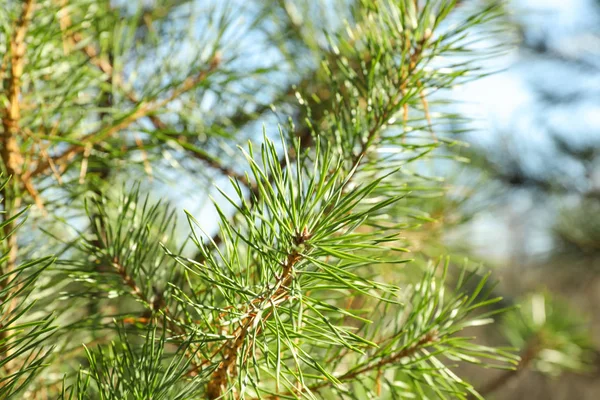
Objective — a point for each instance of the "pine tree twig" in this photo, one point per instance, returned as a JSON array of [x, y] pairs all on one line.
[[427, 340], [219, 379], [144, 109], [12, 158], [230, 349], [153, 307], [382, 119], [528, 355], [107, 68], [158, 124], [9, 150], [217, 384]]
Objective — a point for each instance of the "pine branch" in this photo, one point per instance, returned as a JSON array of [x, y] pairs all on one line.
[[528, 355], [10, 151], [11, 156], [106, 67], [231, 349], [306, 134], [225, 369], [142, 110], [427, 340]]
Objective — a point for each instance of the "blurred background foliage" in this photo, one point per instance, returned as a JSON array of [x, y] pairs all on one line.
[[535, 158]]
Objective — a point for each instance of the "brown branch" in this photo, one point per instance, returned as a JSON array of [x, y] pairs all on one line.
[[106, 67], [528, 355], [226, 368], [230, 350], [10, 153], [427, 340], [144, 109]]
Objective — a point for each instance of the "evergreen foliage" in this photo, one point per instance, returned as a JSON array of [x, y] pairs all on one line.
[[307, 289]]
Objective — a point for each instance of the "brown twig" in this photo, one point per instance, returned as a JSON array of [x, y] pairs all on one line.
[[230, 349], [427, 340], [144, 109], [106, 67], [10, 151], [217, 385], [528, 355]]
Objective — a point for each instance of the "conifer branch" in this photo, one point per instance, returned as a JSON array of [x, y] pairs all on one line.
[[427, 340], [12, 160], [10, 151], [230, 350], [142, 110], [225, 370], [106, 67], [528, 355]]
